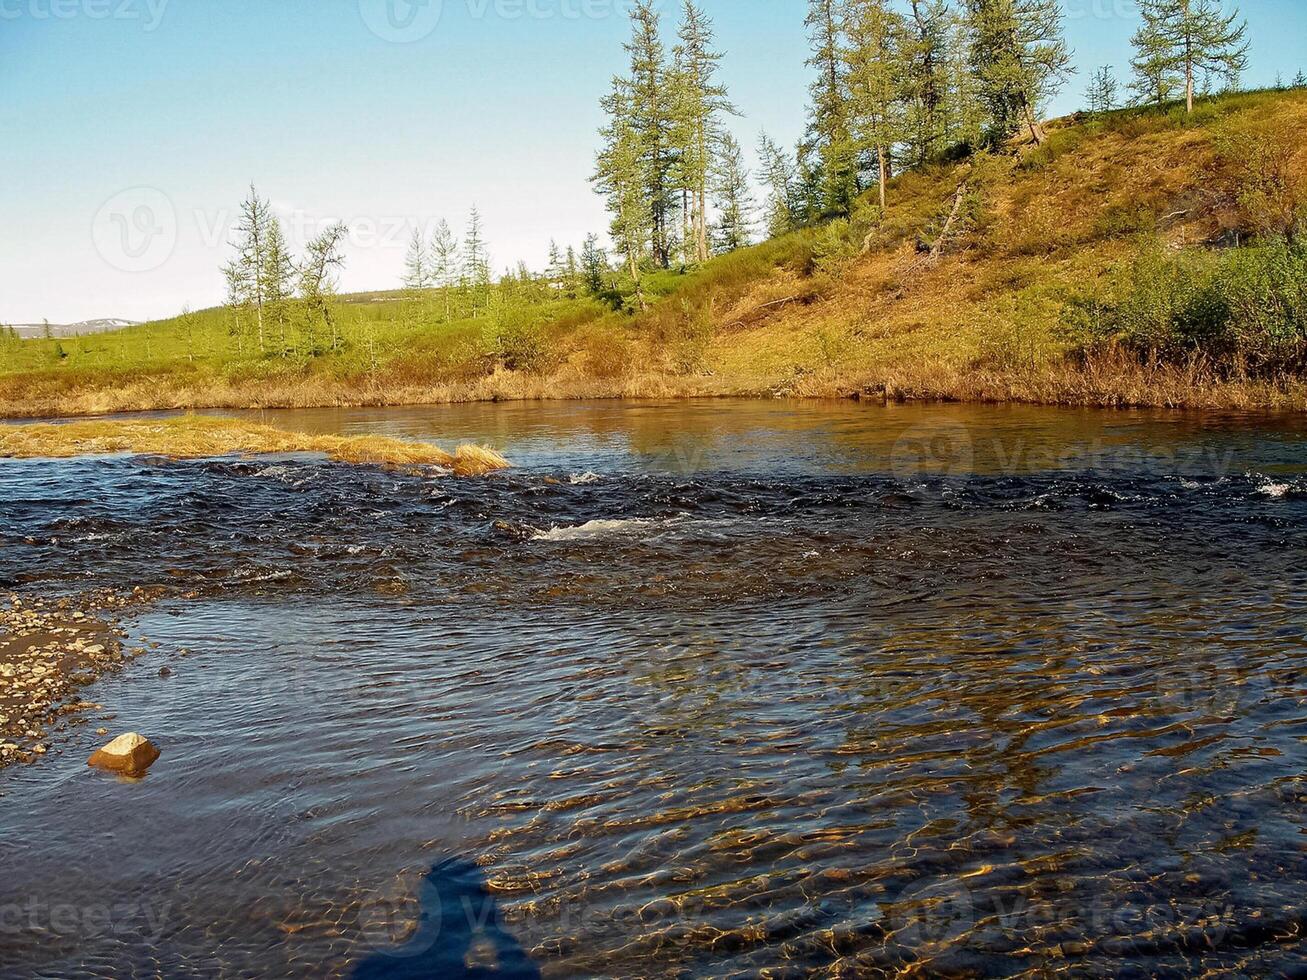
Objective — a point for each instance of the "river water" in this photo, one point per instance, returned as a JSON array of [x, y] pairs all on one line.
[[715, 688]]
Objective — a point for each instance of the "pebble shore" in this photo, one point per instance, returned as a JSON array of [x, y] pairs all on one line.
[[49, 651]]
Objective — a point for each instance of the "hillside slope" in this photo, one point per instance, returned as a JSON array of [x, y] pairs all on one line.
[[967, 287]]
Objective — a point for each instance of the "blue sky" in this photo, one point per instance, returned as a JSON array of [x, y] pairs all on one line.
[[129, 129]]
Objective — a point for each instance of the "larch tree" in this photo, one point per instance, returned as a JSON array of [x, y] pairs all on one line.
[[699, 103], [875, 71], [571, 274], [925, 53], [278, 281], [649, 112], [829, 139], [1020, 58], [594, 266], [246, 274], [476, 260], [780, 179], [1179, 39], [317, 283], [1101, 94], [442, 257], [416, 270], [1156, 76], [620, 177], [733, 199], [966, 117], [555, 271]]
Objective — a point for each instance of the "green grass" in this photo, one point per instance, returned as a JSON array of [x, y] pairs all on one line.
[[1038, 231]]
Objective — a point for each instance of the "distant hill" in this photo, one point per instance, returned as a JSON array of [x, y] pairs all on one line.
[[71, 329]]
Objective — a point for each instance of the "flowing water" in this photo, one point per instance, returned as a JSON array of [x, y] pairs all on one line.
[[700, 689]]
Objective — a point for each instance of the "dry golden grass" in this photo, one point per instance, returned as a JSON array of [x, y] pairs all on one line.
[[197, 437], [979, 323]]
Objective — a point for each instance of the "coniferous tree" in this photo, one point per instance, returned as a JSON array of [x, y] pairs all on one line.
[[966, 117], [1300, 79], [1101, 94], [571, 274], [1156, 74], [443, 261], [476, 261], [828, 151], [555, 270], [780, 180], [1020, 59], [620, 177], [700, 100], [278, 280], [416, 270], [650, 107], [594, 265], [247, 273], [925, 55], [875, 71], [734, 200], [1180, 39], [316, 282]]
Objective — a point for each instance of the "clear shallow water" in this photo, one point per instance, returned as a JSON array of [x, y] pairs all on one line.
[[697, 689]]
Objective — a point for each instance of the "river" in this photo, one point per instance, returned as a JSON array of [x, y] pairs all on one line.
[[696, 689]]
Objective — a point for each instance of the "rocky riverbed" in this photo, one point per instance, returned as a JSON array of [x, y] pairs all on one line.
[[49, 651]]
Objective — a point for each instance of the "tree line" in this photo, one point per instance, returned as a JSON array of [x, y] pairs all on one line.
[[275, 300], [899, 84]]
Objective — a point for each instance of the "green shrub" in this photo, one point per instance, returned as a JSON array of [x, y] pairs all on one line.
[[1246, 309], [517, 341]]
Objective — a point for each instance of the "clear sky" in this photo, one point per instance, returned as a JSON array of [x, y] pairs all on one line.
[[129, 129]]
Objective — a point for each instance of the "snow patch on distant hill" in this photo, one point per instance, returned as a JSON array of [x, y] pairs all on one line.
[[71, 329]]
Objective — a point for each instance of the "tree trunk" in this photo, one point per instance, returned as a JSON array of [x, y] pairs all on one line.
[[1188, 61], [1189, 84], [1036, 133], [884, 174], [686, 221], [703, 225]]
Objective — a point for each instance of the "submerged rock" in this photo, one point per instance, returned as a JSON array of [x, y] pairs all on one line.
[[130, 755]]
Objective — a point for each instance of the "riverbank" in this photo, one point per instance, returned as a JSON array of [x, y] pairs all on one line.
[[198, 437], [1102, 383], [1136, 258], [49, 651]]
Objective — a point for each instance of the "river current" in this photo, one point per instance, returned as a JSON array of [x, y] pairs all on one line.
[[719, 688]]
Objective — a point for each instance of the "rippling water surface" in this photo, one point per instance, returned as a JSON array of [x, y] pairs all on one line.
[[704, 689]]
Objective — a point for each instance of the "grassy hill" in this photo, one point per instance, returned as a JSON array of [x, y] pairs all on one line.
[[1139, 258]]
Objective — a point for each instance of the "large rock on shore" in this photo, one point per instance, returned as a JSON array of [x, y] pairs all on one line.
[[128, 755]]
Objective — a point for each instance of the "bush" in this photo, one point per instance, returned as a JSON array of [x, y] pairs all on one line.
[[1262, 186], [1246, 309], [516, 340]]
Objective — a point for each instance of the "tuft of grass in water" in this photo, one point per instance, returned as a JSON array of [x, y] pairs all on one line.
[[197, 437]]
